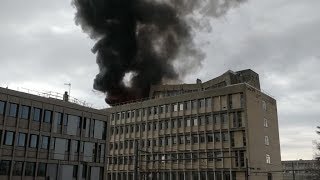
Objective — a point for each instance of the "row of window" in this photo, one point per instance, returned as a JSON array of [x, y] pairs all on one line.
[[30, 168], [176, 139], [25, 112], [22, 140], [188, 175], [180, 122], [238, 156], [187, 105], [97, 128]]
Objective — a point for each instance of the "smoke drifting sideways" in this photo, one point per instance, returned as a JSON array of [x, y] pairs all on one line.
[[142, 38]]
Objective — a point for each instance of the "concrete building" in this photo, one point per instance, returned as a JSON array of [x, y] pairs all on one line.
[[303, 170], [222, 129], [49, 139]]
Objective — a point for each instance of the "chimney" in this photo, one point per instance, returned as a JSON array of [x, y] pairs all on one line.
[[66, 97], [199, 81]]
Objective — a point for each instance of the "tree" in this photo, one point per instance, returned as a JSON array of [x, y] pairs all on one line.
[[317, 156]]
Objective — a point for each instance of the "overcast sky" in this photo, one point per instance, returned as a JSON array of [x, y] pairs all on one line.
[[41, 49]]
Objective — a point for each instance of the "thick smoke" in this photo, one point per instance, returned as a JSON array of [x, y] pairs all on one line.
[[141, 37]]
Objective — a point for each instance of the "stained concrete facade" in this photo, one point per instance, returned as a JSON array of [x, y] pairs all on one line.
[[216, 130], [49, 139], [213, 130]]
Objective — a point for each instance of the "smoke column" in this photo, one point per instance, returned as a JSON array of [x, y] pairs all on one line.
[[143, 38]]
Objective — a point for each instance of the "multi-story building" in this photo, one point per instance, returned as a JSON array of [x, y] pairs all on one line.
[[50, 139], [222, 129], [300, 170]]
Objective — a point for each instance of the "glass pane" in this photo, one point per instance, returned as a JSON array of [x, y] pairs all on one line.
[[9, 136], [22, 139], [36, 114], [13, 110], [2, 107]]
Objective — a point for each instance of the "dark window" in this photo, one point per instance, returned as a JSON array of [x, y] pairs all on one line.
[[30, 169], [9, 138], [58, 118], [25, 112], [47, 116], [217, 137], [4, 167], [202, 138], [194, 139], [75, 171], [17, 169], [45, 142], [2, 107], [68, 145], [77, 146], [36, 114], [84, 171], [22, 139], [33, 141], [13, 110], [42, 168], [225, 136], [210, 138]]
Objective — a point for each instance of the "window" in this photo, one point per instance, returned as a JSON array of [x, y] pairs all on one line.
[[47, 116], [2, 107], [42, 168], [216, 118], [8, 138], [201, 103], [208, 102], [30, 169], [194, 139], [36, 114], [202, 138], [162, 108], [187, 105], [209, 119], [218, 156], [33, 141], [188, 122], [75, 171], [13, 110], [266, 122], [45, 142], [58, 118], [202, 120], [217, 137], [181, 139], [5, 167], [225, 136], [188, 139], [194, 104], [195, 121], [25, 112], [181, 106], [17, 168], [180, 122], [224, 118], [268, 159], [175, 107], [266, 140], [173, 123], [22, 139], [264, 105], [210, 138]]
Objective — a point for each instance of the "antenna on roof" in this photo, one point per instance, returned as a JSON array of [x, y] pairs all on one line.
[[68, 84]]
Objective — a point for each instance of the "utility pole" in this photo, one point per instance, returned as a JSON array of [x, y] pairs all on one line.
[[293, 171], [247, 169], [136, 160]]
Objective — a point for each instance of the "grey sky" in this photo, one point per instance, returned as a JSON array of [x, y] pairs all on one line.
[[42, 48]]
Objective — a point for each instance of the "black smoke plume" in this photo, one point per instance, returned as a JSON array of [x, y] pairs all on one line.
[[141, 37]]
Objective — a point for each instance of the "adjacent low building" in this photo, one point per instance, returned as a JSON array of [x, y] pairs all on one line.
[[50, 139], [300, 170]]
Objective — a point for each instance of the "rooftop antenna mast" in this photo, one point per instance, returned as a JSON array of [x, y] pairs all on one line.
[[68, 84]]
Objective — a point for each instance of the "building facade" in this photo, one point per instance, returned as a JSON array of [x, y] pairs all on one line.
[[49, 139], [223, 129]]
